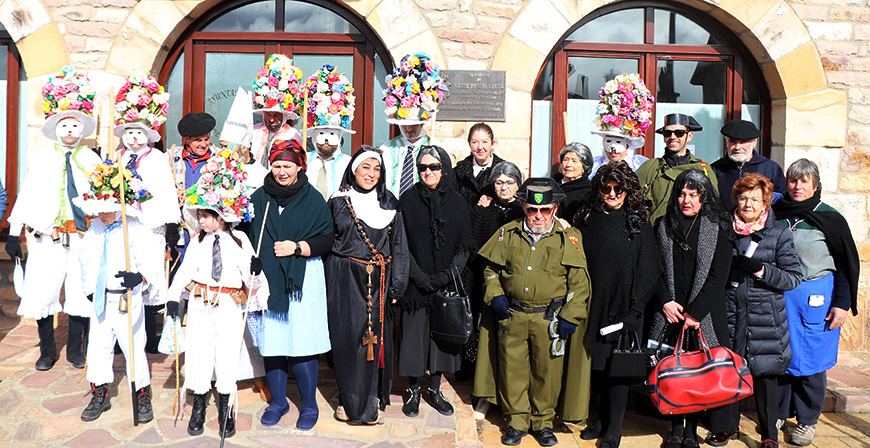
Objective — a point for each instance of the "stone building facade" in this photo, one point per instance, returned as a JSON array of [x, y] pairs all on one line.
[[814, 56]]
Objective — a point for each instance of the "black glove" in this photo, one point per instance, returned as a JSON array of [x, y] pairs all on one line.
[[90, 297], [13, 247], [565, 328], [440, 280], [256, 265], [749, 265], [632, 322], [172, 308], [130, 279], [424, 284], [172, 234], [499, 306]]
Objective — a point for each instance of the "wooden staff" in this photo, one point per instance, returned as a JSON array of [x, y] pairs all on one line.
[[112, 135], [245, 315], [127, 305], [97, 142], [304, 117]]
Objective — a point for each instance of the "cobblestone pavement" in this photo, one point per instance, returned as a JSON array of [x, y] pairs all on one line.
[[42, 409]]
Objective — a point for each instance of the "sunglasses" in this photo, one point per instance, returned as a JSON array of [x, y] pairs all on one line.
[[679, 133], [432, 166], [606, 189], [545, 211]]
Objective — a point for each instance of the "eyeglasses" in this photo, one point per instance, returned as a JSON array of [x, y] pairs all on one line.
[[606, 189], [745, 199], [432, 166], [679, 133], [545, 211], [509, 183]]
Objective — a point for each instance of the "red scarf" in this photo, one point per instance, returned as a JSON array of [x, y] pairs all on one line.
[[194, 161]]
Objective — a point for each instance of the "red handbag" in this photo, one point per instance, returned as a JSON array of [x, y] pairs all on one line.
[[687, 382]]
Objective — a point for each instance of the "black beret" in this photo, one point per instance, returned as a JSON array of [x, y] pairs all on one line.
[[680, 120], [540, 191], [195, 124], [740, 130]]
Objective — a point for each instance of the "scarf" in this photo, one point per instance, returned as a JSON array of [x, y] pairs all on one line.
[[837, 234], [672, 159], [747, 228], [282, 194], [194, 161]]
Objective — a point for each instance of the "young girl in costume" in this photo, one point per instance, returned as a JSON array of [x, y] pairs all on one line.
[[219, 271]]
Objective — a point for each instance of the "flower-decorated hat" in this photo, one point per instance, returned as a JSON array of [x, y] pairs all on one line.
[[414, 90], [141, 103], [105, 193], [68, 93], [625, 109], [330, 104], [221, 188], [277, 87]]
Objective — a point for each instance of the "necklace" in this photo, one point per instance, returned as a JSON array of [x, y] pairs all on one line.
[[684, 244], [369, 338]]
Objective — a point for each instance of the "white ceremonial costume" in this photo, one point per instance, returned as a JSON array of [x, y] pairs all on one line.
[[335, 167], [394, 155], [262, 140], [42, 205], [214, 323], [112, 325]]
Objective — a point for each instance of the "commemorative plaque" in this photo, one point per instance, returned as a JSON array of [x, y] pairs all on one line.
[[475, 95]]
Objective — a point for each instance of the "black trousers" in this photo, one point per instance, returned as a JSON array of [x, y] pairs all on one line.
[[767, 404], [803, 397]]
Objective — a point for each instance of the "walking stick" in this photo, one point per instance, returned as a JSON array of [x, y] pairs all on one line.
[[127, 305], [245, 321], [112, 139], [304, 116]]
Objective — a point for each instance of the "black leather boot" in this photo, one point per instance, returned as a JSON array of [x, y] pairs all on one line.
[[75, 341], [227, 429], [99, 402], [197, 416], [437, 400], [143, 401], [411, 408], [47, 350]]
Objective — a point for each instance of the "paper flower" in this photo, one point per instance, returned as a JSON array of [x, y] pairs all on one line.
[[141, 99], [625, 106], [68, 89], [330, 98], [277, 87], [106, 180], [414, 89], [221, 188]]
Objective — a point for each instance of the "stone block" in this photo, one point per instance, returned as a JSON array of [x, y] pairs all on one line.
[[463, 21], [854, 209], [394, 17], [780, 30], [829, 31], [801, 71], [111, 15], [849, 78], [860, 113], [89, 61], [837, 48], [856, 182], [834, 63], [850, 14], [859, 135], [363, 7], [491, 24], [477, 51], [464, 5], [862, 31], [465, 64], [73, 13], [76, 44], [816, 119], [98, 44], [425, 40], [467, 36], [807, 12], [748, 14], [437, 5], [23, 17], [56, 427], [860, 64], [439, 19], [451, 48], [518, 76], [402, 430], [539, 26], [106, 30], [496, 10], [47, 43], [92, 438], [828, 160]]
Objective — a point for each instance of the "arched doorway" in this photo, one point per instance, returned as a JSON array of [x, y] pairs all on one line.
[[13, 123]]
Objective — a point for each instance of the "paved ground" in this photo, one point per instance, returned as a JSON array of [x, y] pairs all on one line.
[[42, 409]]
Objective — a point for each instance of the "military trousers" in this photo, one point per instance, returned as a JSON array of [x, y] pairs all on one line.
[[530, 377]]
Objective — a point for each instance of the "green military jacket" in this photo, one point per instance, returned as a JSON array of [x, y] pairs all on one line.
[[551, 269], [657, 182]]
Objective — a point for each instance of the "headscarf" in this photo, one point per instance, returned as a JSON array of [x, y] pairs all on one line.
[[711, 206], [375, 207], [288, 151], [435, 197]]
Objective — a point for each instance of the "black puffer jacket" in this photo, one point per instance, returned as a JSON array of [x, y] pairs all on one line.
[[471, 187], [756, 308]]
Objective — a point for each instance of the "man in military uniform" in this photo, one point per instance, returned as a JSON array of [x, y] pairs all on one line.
[[657, 175], [537, 284]]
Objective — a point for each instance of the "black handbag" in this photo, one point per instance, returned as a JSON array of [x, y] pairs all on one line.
[[450, 320], [628, 360]]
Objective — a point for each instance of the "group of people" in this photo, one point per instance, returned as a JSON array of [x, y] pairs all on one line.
[[282, 254]]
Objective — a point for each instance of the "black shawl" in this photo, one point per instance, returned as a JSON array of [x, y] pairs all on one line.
[[837, 234], [471, 187], [576, 191]]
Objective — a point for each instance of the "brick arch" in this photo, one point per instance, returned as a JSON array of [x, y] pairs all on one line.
[[38, 40]]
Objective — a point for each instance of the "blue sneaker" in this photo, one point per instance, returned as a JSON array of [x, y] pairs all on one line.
[[273, 414], [307, 419]]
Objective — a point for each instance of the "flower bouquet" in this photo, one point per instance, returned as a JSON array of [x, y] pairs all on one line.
[[414, 90]]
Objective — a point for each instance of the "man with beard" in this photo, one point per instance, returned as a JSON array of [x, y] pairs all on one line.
[[657, 175], [274, 127], [741, 138]]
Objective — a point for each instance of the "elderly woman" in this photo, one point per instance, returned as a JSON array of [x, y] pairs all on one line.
[[439, 239], [293, 327], [755, 306], [472, 174], [575, 161], [370, 252], [695, 245], [487, 217], [819, 306], [622, 256]]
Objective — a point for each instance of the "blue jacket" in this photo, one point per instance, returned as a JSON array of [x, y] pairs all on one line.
[[728, 172]]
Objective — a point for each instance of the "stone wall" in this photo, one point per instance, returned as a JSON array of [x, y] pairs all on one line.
[[813, 54]]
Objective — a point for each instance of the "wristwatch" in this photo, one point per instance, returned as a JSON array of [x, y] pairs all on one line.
[[298, 250]]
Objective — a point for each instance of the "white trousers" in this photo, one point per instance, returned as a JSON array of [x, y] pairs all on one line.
[[214, 338], [113, 326], [49, 267]]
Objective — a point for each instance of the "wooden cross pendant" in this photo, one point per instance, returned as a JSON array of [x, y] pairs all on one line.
[[370, 340]]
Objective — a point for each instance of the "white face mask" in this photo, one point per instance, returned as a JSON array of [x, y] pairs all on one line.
[[135, 138], [69, 131], [617, 144], [331, 137]]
